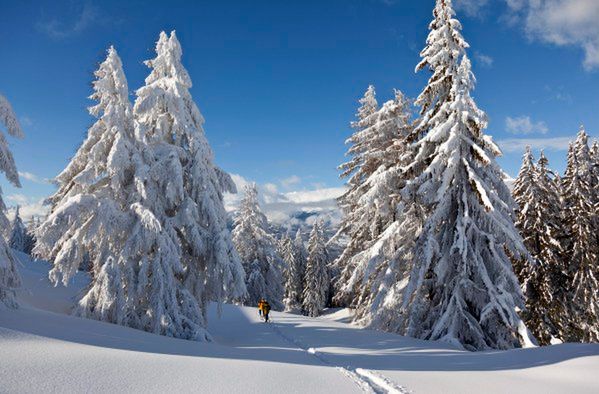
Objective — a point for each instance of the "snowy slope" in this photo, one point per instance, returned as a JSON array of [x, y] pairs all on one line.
[[44, 350]]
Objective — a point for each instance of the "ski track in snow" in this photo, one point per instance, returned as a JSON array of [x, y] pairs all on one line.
[[369, 381]]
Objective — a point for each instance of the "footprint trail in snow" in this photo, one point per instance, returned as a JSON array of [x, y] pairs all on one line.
[[369, 381]]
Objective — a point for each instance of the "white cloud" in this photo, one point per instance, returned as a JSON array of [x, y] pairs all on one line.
[[484, 60], [290, 181], [59, 29], [563, 23], [28, 206], [512, 145], [524, 125], [280, 207], [32, 177], [471, 7], [271, 188], [557, 22], [317, 195]]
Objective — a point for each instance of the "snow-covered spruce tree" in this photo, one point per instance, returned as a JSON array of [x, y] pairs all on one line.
[[595, 159], [30, 237], [317, 275], [182, 186], [294, 274], [595, 184], [355, 171], [462, 288], [539, 221], [9, 277], [581, 249], [372, 189], [300, 249], [554, 271], [90, 214], [257, 249], [18, 233], [524, 195], [370, 273]]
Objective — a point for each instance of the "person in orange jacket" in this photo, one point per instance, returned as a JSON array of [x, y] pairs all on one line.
[[261, 306]]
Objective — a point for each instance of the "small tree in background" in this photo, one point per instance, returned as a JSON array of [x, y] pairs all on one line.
[[294, 274], [316, 291], [18, 234], [258, 252]]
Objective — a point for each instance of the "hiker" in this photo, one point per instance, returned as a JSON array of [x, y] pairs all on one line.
[[261, 306], [265, 310]]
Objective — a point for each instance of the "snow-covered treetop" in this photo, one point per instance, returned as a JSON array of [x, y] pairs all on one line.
[[103, 160], [170, 81], [10, 121], [582, 151], [167, 63], [177, 120], [525, 177], [368, 106], [445, 46], [110, 86]]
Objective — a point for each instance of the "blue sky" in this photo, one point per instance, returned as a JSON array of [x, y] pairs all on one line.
[[278, 81]]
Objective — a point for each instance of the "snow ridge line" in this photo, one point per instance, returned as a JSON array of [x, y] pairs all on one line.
[[368, 380]]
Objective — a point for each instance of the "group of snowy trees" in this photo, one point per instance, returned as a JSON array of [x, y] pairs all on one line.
[[558, 218], [283, 272], [437, 246], [429, 218], [142, 200]]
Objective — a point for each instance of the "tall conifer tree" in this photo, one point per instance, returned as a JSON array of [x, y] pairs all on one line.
[[462, 288], [9, 277]]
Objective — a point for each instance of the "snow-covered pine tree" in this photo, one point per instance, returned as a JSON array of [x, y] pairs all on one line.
[[361, 165], [294, 274], [9, 277], [300, 249], [595, 184], [373, 189], [355, 171], [183, 187], [462, 288], [539, 221], [317, 276], [18, 233], [581, 249], [524, 195], [371, 273], [595, 159], [90, 215], [31, 239], [552, 251], [257, 249]]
